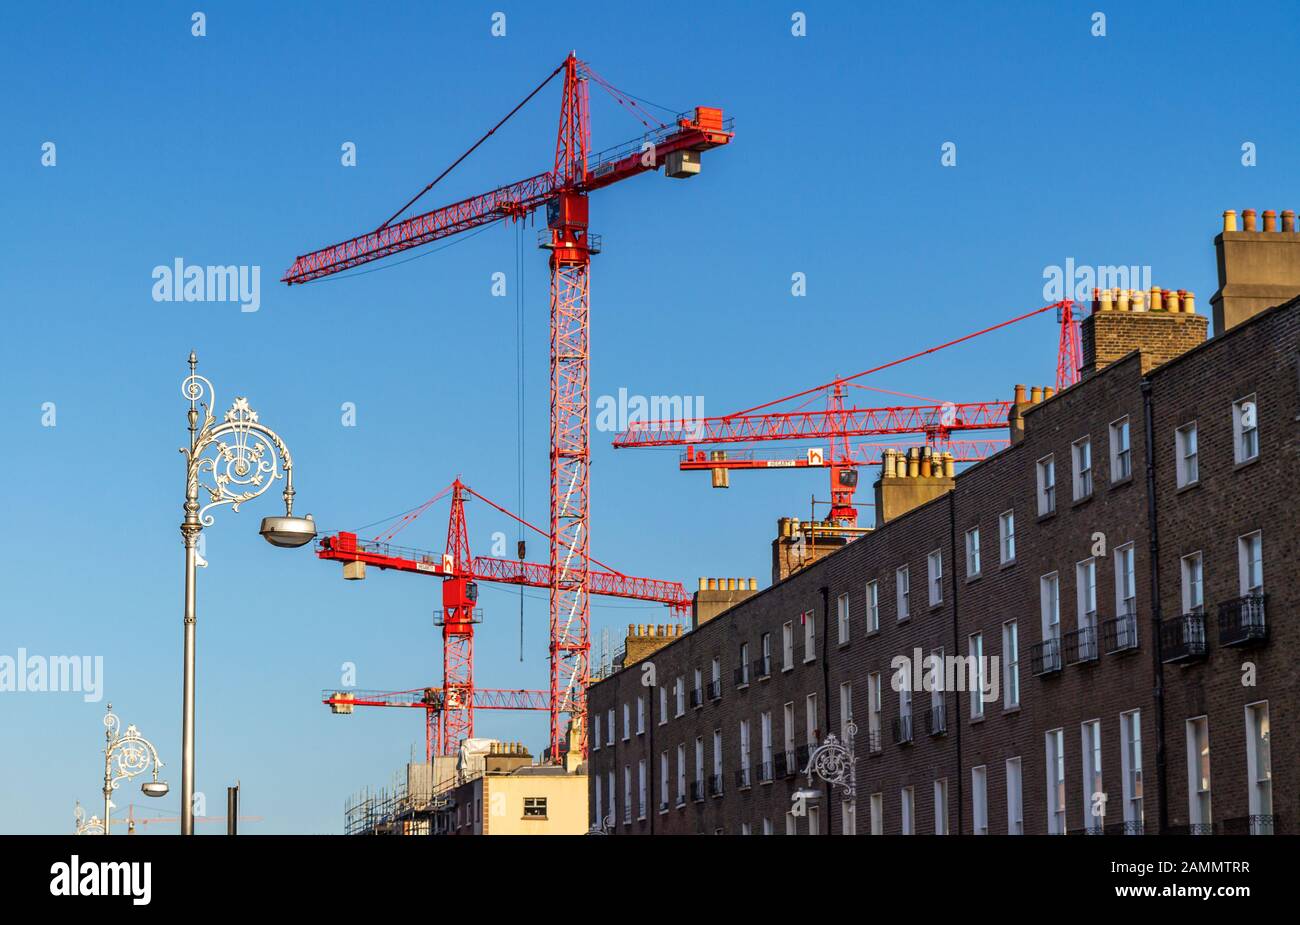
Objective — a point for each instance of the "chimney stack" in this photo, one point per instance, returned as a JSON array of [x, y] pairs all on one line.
[[1257, 268]]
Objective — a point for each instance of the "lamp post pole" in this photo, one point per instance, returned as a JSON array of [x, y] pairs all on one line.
[[241, 458], [134, 755]]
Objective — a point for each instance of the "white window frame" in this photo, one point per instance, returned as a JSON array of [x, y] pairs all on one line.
[[1121, 450], [1132, 790], [973, 564], [1081, 465], [595, 741], [611, 727], [1187, 464], [1094, 794], [903, 587], [1200, 782], [875, 710], [810, 719], [681, 774], [1054, 750], [641, 789], [787, 646], [627, 721], [663, 705], [1045, 470], [1191, 569], [907, 799], [842, 612], [934, 572], [1250, 563], [873, 606], [681, 696], [975, 649], [664, 789], [1049, 598], [809, 636], [941, 806], [1007, 537], [1259, 764], [877, 814], [979, 795], [1245, 430], [1015, 796], [1011, 665], [1125, 556]]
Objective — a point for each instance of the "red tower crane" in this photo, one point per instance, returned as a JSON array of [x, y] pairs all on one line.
[[563, 190], [457, 699]]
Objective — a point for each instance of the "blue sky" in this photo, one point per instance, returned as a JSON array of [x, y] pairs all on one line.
[[225, 149]]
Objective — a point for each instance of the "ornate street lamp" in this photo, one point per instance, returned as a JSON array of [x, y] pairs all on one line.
[[126, 755], [91, 826], [604, 826], [233, 460], [834, 763]]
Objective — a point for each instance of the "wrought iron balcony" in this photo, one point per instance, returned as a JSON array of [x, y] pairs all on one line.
[[762, 667], [697, 790], [1045, 657], [744, 777], [715, 785], [783, 761], [1080, 646], [902, 730], [936, 720], [715, 690], [873, 741], [1183, 638], [1120, 634], [697, 697], [1251, 825], [764, 772], [1241, 621], [681, 800], [663, 806], [742, 675], [1128, 827]]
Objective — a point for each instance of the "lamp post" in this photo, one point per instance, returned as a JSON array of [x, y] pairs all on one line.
[[240, 458], [833, 762], [134, 755], [91, 826]]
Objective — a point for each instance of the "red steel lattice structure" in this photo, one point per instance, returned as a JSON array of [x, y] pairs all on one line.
[[564, 191]]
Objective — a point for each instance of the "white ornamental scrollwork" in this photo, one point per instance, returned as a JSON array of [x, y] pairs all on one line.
[[239, 456], [833, 762], [127, 754]]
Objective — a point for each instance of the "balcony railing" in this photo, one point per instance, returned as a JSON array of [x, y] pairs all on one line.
[[743, 777], [873, 741], [715, 785], [697, 697], [1251, 825], [742, 675], [681, 800], [1183, 638], [765, 771], [936, 720], [715, 690], [1045, 657], [697, 790], [1241, 621], [1128, 827], [1120, 634], [1080, 646], [663, 806], [786, 765], [762, 667], [902, 730]]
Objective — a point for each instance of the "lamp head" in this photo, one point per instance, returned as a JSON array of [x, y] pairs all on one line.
[[288, 532], [154, 788]]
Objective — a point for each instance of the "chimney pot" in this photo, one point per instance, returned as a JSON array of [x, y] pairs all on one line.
[[1189, 303], [1288, 220], [1156, 301], [1020, 393], [1138, 300], [1230, 220], [1121, 300], [753, 584], [1248, 220], [1107, 300], [1270, 220], [1048, 392], [1035, 394]]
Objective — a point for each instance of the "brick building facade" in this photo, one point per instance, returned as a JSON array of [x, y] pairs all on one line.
[[1124, 574]]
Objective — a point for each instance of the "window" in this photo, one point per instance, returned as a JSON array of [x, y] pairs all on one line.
[[717, 761], [697, 691], [1055, 741], [941, 807], [1046, 486], [609, 727], [765, 743], [1125, 581], [873, 606], [767, 826], [744, 829], [975, 646], [934, 567], [627, 721], [1010, 665], [908, 801], [1049, 592], [846, 707], [715, 674], [627, 793], [790, 824], [681, 695], [641, 781], [787, 647], [1198, 772], [873, 711], [743, 669], [809, 636], [877, 814], [595, 739], [788, 730], [933, 677], [699, 767], [767, 654], [1085, 577], [640, 715], [904, 711], [1081, 454], [1245, 430], [663, 705], [1015, 806], [1007, 536], [904, 593], [842, 611], [598, 802], [973, 553], [663, 781], [848, 818], [814, 820], [609, 816], [1094, 794], [744, 751], [1259, 769], [681, 774], [1121, 452], [1185, 459], [1130, 725], [810, 720], [1193, 584], [979, 798], [1250, 563]]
